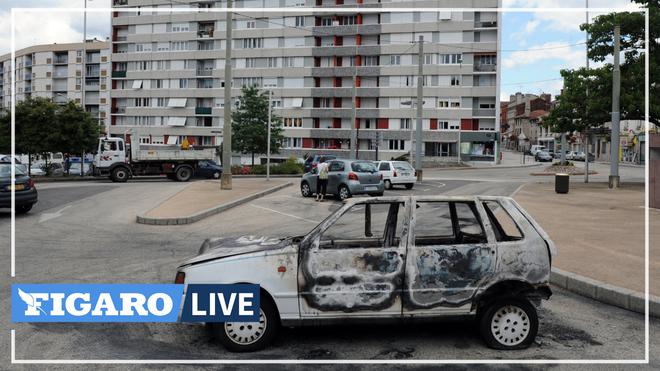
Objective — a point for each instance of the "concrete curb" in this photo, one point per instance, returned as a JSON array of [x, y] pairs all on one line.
[[604, 292], [67, 179], [480, 167], [208, 212]]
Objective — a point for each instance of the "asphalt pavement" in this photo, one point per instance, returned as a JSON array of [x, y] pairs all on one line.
[[96, 240]]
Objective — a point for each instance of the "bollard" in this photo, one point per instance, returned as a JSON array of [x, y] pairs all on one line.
[[561, 183]]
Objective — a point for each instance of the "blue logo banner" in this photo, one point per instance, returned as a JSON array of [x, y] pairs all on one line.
[[221, 303], [95, 302]]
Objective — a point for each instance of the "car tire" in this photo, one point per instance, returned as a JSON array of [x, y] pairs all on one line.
[[216, 175], [23, 209], [234, 335], [409, 185], [509, 323], [343, 192], [305, 189], [183, 173], [119, 174], [388, 184]]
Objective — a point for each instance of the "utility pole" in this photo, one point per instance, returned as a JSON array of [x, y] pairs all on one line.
[[225, 181], [354, 129], [420, 107], [616, 92], [270, 113], [83, 61], [586, 130]]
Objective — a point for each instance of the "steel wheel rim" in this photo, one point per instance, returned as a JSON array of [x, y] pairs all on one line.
[[510, 325], [216, 175], [343, 193], [305, 189], [246, 333]]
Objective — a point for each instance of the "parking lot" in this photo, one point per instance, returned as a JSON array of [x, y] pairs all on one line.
[[86, 232]]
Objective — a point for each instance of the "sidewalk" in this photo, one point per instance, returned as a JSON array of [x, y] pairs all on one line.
[[599, 233], [202, 199]]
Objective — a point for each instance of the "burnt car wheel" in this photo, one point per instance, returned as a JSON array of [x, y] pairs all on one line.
[[343, 192], [250, 336], [305, 190], [509, 323]]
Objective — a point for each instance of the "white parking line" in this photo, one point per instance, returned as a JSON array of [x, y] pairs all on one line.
[[48, 216], [285, 214]]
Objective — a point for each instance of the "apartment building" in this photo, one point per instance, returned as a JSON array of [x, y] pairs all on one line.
[[524, 114], [332, 74], [54, 71]]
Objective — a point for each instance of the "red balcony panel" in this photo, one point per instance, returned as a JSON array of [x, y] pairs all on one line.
[[358, 60], [317, 82], [336, 123], [317, 122], [434, 124], [307, 142], [358, 81], [358, 39], [383, 123], [336, 102], [358, 102], [359, 16]]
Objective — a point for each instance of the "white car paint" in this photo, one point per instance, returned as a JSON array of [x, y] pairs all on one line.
[[397, 172]]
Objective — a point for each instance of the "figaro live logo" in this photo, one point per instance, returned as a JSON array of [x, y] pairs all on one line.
[[134, 303]]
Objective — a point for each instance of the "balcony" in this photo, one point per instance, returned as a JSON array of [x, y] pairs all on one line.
[[119, 110], [485, 24], [28, 63], [203, 110], [483, 112], [204, 72], [485, 67], [119, 2], [205, 33], [28, 76], [118, 74], [61, 60]]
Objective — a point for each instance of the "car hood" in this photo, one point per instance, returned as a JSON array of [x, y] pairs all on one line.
[[222, 247]]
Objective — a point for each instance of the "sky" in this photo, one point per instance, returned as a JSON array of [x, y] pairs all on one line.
[[535, 45]]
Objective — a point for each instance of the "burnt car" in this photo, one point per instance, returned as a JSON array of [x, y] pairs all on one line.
[[392, 259]]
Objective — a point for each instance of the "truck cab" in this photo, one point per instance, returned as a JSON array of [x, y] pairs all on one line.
[[111, 158]]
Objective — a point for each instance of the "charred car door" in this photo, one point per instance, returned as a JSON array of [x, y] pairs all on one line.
[[353, 263], [449, 257]]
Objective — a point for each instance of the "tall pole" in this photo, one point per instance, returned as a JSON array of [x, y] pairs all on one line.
[[270, 113], [586, 130], [412, 129], [225, 181], [354, 132], [420, 107], [83, 61], [616, 92]]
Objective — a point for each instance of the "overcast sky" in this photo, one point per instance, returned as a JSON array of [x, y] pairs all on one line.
[[522, 70]]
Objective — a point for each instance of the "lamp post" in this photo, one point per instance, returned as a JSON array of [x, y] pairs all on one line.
[[270, 115]]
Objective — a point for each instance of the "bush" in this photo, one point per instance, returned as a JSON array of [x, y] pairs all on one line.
[[558, 163], [289, 167]]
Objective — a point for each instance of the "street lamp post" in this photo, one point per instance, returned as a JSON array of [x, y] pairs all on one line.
[[225, 182], [83, 61], [270, 114]]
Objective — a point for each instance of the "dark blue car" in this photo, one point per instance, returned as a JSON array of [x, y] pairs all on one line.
[[26, 193], [208, 169]]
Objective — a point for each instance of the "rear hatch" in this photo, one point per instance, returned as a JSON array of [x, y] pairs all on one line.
[[21, 184], [404, 169], [366, 172]]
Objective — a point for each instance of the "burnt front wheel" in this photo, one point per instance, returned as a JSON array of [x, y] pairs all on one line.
[[509, 323], [250, 336]]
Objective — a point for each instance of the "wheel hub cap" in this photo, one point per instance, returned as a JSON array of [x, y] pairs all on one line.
[[246, 333], [510, 325]]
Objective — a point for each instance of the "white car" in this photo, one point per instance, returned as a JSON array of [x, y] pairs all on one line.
[[397, 173], [37, 169], [390, 259]]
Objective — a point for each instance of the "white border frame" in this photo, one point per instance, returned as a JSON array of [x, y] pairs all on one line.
[[500, 10]]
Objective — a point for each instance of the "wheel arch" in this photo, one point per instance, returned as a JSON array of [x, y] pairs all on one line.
[[263, 293], [511, 288]]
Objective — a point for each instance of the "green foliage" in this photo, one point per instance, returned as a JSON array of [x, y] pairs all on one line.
[[5, 131], [288, 167], [76, 130], [250, 124]]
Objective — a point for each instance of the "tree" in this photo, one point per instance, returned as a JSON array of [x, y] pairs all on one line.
[[5, 131], [34, 120], [74, 130], [250, 123]]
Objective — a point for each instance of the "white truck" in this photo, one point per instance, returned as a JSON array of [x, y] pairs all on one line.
[[119, 160]]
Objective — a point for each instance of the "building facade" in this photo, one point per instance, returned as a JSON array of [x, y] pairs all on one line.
[[333, 75], [524, 114], [54, 71]]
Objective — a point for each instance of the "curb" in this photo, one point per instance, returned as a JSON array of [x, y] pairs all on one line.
[[141, 219], [604, 292], [553, 174], [67, 179], [480, 167]]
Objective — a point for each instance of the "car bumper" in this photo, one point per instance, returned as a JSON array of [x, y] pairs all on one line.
[[403, 179], [358, 189], [28, 197]]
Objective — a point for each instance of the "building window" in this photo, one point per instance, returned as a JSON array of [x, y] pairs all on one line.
[[289, 61], [250, 62], [396, 144], [455, 80], [428, 58], [251, 24], [326, 21], [404, 123], [143, 47], [348, 20], [292, 142], [251, 81], [439, 149], [371, 60], [449, 103], [448, 125], [272, 62], [183, 83], [293, 122], [395, 59], [300, 21], [450, 59], [487, 59], [253, 43], [142, 102], [179, 45], [180, 27]]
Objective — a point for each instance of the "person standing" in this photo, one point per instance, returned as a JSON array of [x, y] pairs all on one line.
[[322, 181]]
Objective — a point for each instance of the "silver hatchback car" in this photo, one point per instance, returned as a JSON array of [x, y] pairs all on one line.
[[345, 179]]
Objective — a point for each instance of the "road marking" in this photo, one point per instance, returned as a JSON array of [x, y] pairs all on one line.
[[517, 189], [285, 214], [48, 216]]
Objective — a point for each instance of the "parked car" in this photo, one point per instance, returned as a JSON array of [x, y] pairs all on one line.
[[15, 160], [535, 149], [387, 259], [208, 169], [557, 155], [74, 168], [397, 173], [37, 169], [56, 169], [25, 191], [580, 156], [543, 156], [312, 161], [346, 178]]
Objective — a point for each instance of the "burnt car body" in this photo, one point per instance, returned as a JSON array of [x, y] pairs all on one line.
[[392, 258]]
